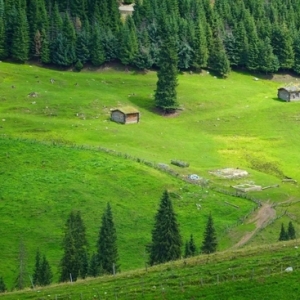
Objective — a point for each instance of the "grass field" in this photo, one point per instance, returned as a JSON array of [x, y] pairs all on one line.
[[49, 163], [252, 273]]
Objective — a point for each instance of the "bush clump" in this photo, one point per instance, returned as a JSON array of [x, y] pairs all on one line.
[[180, 163]]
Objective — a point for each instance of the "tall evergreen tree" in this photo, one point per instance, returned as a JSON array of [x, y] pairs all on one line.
[[2, 285], [37, 269], [291, 231], [209, 244], [128, 42], [190, 247], [165, 93], [166, 239], [268, 62], [296, 66], [73, 262], [218, 60], [107, 250], [283, 46], [42, 274], [20, 36], [283, 236], [3, 45], [97, 50]]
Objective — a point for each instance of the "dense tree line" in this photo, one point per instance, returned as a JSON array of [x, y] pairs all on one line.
[[256, 35]]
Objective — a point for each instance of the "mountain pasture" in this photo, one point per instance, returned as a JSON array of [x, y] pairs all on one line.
[[60, 151]]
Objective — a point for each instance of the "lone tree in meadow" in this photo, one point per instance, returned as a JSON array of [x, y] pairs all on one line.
[[107, 251], [209, 244], [166, 239], [165, 93], [74, 262]]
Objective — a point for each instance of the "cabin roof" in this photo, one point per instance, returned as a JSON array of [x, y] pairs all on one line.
[[126, 110], [290, 88]]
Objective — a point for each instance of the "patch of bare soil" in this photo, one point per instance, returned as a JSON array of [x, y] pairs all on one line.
[[261, 218], [285, 77]]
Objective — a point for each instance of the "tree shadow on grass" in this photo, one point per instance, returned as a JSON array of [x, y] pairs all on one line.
[[146, 103], [278, 99]]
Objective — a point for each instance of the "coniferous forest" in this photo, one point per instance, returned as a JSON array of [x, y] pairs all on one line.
[[256, 35]]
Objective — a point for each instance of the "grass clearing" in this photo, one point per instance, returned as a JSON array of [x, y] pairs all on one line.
[[49, 165]]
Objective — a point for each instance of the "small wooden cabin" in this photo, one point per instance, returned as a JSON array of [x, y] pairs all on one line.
[[125, 115], [289, 94]]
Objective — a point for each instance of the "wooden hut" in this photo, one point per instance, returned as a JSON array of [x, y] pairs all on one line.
[[289, 94], [125, 115]]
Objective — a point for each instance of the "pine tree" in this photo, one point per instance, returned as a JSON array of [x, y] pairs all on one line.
[[291, 231], [37, 269], [107, 250], [166, 239], [46, 273], [187, 250], [283, 46], [73, 262], [94, 269], [2, 285], [218, 60], [268, 62], [20, 37], [128, 42], [3, 46], [200, 46], [209, 244], [283, 236], [97, 51], [296, 66], [192, 246], [165, 93]]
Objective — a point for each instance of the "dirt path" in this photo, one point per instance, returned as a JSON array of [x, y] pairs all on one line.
[[261, 218]]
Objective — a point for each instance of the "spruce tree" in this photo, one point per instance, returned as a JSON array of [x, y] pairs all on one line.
[[37, 269], [296, 66], [192, 246], [128, 47], [165, 93], [2, 285], [3, 46], [209, 244], [20, 36], [218, 60], [97, 51], [107, 250], [291, 231], [94, 266], [268, 62], [166, 239], [73, 262], [187, 250], [283, 236], [46, 273]]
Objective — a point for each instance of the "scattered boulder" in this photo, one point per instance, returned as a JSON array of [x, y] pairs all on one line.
[[289, 269]]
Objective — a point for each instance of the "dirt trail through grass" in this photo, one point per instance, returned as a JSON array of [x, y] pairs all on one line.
[[261, 218]]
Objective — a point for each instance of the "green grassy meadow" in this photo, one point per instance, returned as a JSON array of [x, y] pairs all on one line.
[[252, 273], [50, 162]]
